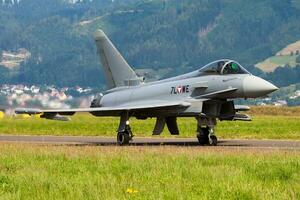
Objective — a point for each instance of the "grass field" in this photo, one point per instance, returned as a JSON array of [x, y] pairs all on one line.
[[270, 64], [281, 58], [36, 171], [85, 172], [268, 123]]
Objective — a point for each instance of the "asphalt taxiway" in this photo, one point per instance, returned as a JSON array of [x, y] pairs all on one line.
[[152, 141]]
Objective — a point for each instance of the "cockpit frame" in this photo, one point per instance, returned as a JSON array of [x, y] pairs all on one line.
[[215, 68]]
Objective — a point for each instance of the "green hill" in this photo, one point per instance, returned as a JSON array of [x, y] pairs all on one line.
[[290, 56], [175, 35]]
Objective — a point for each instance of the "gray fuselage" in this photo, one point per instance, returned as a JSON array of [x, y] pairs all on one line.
[[188, 88]]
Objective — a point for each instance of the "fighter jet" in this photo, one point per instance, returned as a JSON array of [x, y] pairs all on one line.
[[206, 94]]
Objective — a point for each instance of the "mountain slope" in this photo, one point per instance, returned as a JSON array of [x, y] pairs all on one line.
[[176, 35], [287, 56]]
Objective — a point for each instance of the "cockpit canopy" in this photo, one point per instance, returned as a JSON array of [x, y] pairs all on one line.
[[223, 67]]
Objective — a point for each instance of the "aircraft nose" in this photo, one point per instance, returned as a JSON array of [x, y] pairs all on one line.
[[256, 87]]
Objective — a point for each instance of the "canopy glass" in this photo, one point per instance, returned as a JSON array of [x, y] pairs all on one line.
[[224, 67]]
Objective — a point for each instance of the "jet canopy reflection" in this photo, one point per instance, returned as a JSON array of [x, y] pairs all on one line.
[[223, 67]]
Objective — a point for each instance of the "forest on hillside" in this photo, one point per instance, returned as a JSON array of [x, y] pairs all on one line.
[[177, 36]]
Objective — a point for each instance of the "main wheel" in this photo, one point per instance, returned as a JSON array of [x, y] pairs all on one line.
[[213, 140], [123, 138], [202, 136]]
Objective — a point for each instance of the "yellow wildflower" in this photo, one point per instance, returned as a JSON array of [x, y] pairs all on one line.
[[131, 191]]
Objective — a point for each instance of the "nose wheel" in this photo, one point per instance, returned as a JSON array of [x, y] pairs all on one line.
[[206, 136], [213, 140]]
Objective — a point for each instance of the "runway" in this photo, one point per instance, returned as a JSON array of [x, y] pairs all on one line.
[[151, 141]]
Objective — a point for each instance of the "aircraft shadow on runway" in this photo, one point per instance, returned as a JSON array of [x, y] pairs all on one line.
[[152, 143]]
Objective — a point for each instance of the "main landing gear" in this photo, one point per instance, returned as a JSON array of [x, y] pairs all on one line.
[[123, 137], [124, 134], [206, 136]]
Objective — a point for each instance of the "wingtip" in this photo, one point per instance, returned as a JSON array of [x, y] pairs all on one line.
[[99, 33]]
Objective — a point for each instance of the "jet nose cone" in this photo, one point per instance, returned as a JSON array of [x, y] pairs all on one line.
[[257, 87]]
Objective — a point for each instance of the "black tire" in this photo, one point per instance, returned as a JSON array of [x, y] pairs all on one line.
[[123, 138], [202, 136], [213, 140]]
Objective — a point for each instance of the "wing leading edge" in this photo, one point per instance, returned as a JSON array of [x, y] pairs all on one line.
[[124, 107]]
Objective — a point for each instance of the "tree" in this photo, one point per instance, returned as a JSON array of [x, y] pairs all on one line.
[[161, 34]]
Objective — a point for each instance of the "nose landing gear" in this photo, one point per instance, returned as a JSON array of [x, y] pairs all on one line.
[[213, 140], [202, 135], [205, 129], [206, 136]]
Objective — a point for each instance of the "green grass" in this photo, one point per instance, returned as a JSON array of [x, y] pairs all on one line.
[[32, 171], [283, 60], [70, 172], [273, 62], [262, 127]]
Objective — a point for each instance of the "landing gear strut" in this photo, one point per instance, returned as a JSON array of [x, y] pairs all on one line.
[[125, 136]]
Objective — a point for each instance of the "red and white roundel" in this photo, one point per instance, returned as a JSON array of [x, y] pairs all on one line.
[[179, 89]]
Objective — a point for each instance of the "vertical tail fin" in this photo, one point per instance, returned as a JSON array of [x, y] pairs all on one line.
[[116, 70]]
